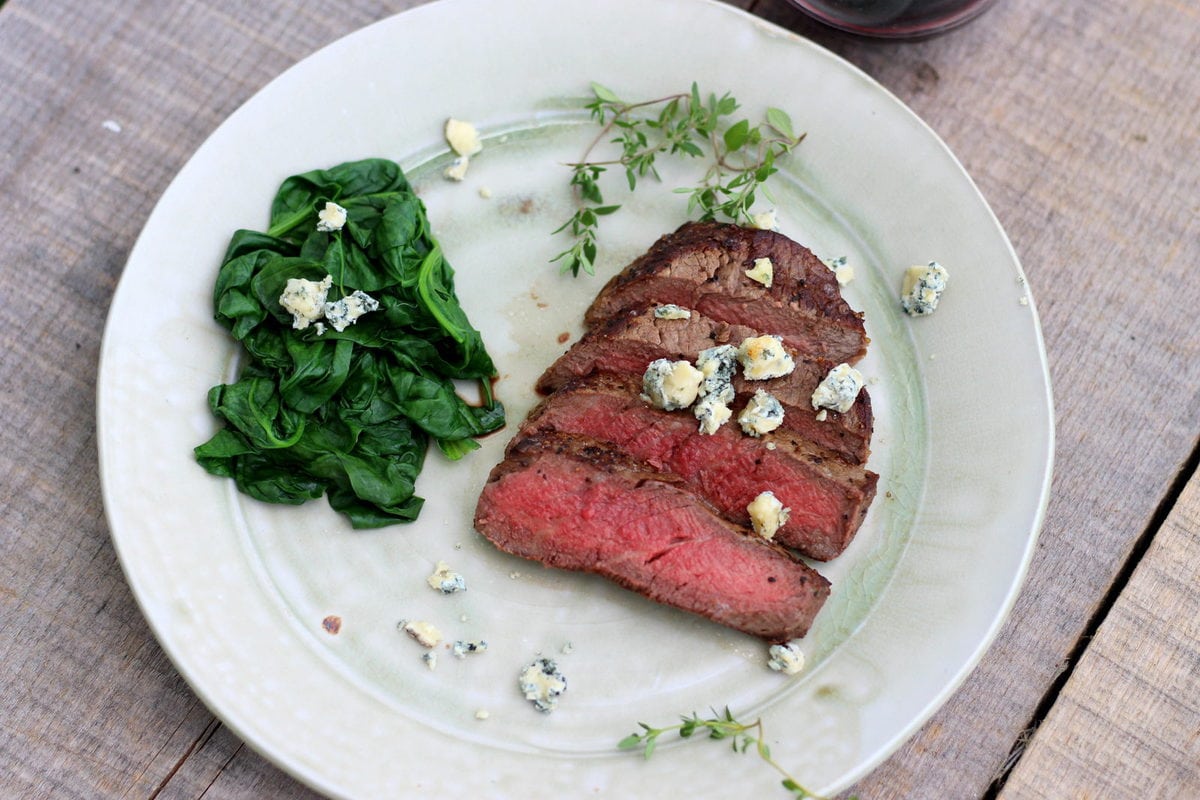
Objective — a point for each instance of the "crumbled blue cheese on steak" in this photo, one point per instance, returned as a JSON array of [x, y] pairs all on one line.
[[765, 221], [764, 357], [767, 514], [762, 272], [718, 365], [762, 414], [842, 272], [712, 414], [671, 311], [671, 385], [838, 390]]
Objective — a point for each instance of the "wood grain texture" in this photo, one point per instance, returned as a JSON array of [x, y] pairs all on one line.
[[1079, 123], [100, 104], [1127, 724], [1077, 119]]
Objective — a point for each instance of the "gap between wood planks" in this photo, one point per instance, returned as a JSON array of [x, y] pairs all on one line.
[[1115, 590], [209, 731]]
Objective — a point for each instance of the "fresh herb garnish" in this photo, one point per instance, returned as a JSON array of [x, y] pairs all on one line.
[[723, 725], [348, 413], [742, 157]]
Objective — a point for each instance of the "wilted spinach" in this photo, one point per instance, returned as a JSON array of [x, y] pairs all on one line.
[[348, 414]]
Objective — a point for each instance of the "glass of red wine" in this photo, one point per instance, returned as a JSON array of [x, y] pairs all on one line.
[[894, 19]]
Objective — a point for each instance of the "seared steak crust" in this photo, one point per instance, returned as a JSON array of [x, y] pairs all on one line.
[[577, 504], [828, 497], [702, 266], [626, 344]]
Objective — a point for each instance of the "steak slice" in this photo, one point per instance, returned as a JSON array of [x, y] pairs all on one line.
[[627, 343], [827, 496], [702, 266], [575, 504]]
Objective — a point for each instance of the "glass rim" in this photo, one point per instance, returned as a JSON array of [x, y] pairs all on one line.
[[891, 31]]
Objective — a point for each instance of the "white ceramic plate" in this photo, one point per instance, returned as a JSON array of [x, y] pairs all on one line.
[[237, 591]]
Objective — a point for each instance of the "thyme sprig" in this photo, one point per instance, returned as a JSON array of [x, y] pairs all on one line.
[[721, 725], [741, 158]]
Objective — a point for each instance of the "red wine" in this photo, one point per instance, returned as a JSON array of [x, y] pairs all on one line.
[[893, 18]]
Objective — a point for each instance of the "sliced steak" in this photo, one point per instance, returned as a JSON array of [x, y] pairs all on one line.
[[577, 505], [702, 266], [827, 496], [627, 343]]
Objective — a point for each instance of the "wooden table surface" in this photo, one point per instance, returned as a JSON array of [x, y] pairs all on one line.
[[1078, 120]]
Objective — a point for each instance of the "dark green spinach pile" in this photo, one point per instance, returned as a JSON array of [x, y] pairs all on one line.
[[348, 414]]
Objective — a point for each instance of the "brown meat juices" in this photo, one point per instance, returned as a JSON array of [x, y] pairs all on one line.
[[598, 480]]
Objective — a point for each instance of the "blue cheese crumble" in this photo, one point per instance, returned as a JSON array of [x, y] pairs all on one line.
[[331, 218], [305, 300], [786, 658], [712, 413], [767, 514], [457, 171], [464, 140], [463, 648], [462, 137], [671, 385], [923, 288], [765, 221], [762, 414], [762, 272], [764, 357], [718, 365], [446, 580], [424, 633], [843, 272], [671, 311], [345, 312], [542, 684], [838, 390]]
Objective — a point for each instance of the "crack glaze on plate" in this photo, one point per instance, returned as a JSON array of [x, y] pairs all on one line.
[[243, 596]]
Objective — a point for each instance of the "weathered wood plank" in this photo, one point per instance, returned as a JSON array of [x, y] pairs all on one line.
[[100, 104], [1074, 119], [1127, 723]]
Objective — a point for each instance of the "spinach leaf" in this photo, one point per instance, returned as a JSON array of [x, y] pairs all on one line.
[[438, 410], [348, 414], [253, 408]]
